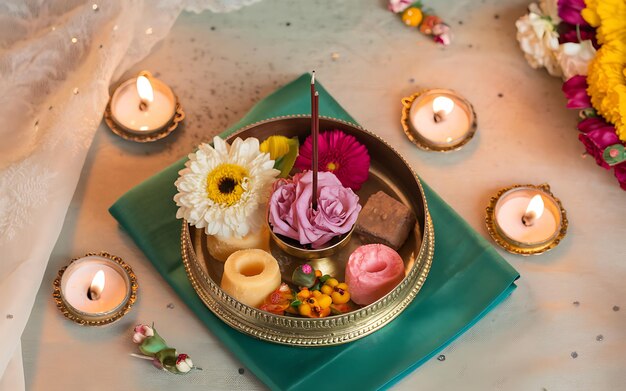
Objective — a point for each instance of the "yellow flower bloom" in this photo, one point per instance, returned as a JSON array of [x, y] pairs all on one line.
[[607, 76], [609, 16], [283, 151], [226, 183], [276, 146], [607, 84]]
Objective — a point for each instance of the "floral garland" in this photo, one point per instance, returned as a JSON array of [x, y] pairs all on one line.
[[584, 41], [414, 14]]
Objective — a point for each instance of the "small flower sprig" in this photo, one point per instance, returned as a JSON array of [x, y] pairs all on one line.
[[154, 348], [414, 14]]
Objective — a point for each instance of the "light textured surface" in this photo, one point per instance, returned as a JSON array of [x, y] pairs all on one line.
[[219, 65]]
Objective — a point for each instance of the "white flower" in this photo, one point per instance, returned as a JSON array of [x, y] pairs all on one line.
[[574, 58], [550, 8], [141, 333], [183, 363], [224, 188], [539, 40]]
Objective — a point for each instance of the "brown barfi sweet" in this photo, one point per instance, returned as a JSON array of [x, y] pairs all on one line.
[[385, 220]]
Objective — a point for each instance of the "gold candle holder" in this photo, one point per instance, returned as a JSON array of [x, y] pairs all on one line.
[[518, 229], [143, 109], [438, 120], [82, 301]]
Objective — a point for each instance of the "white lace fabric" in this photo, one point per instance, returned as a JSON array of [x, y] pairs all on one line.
[[57, 60]]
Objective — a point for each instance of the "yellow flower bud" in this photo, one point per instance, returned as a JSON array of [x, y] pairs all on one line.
[[276, 146]]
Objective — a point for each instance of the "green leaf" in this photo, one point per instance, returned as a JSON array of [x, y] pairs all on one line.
[[614, 154], [152, 345], [324, 278], [167, 357], [296, 303]]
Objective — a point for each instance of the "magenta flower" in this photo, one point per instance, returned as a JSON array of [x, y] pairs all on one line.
[[593, 123], [568, 33], [596, 135], [339, 153], [337, 209], [575, 89], [620, 174], [569, 11]]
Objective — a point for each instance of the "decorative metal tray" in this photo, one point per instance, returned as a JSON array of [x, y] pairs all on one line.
[[388, 172]]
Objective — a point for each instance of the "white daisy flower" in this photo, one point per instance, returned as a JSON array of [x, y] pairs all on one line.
[[224, 188]]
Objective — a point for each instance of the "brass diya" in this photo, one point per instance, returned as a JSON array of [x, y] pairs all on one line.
[[388, 172]]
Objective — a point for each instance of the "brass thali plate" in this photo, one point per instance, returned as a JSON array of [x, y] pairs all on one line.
[[388, 172]]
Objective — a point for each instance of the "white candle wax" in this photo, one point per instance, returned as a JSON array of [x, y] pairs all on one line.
[[510, 209], [451, 130], [126, 112], [77, 279]]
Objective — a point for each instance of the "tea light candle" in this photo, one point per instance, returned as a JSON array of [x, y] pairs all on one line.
[[528, 217], [95, 288], [143, 105], [442, 119]]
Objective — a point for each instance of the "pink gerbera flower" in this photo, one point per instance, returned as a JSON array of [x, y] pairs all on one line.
[[340, 154]]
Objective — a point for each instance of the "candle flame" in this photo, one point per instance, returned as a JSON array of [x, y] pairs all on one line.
[[443, 104], [144, 89], [97, 284], [535, 206]]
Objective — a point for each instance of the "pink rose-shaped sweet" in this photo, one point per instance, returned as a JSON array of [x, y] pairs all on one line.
[[373, 270], [337, 209]]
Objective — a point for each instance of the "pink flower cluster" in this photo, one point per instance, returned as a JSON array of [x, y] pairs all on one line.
[[291, 213]]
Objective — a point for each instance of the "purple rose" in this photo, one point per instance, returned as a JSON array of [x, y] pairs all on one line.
[[620, 174], [280, 209], [569, 11], [596, 135], [337, 209], [575, 89]]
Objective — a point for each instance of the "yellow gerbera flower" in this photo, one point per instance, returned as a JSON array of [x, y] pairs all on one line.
[[224, 188]]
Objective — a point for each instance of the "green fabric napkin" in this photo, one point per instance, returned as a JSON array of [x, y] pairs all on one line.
[[467, 279]]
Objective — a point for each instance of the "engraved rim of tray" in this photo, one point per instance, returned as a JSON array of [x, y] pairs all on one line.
[[332, 330]]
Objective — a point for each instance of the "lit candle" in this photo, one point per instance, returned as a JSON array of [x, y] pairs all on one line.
[[95, 287], [97, 284], [441, 119], [528, 217], [143, 105]]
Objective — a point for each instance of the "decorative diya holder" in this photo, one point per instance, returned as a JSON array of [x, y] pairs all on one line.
[[96, 289], [438, 120], [143, 109], [526, 219]]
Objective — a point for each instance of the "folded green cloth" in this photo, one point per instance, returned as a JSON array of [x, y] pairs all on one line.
[[467, 279]]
